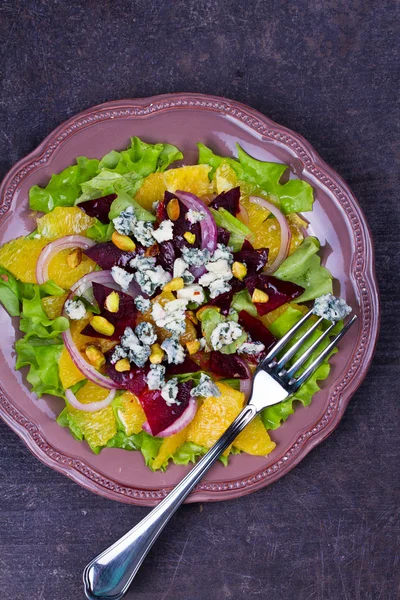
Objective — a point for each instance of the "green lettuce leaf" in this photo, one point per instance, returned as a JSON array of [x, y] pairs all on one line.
[[64, 188], [295, 195], [242, 301], [148, 445], [141, 158], [109, 182], [304, 268], [239, 231], [13, 291], [42, 356], [123, 201], [100, 232]]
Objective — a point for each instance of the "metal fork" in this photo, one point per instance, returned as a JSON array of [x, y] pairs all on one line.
[[109, 575]]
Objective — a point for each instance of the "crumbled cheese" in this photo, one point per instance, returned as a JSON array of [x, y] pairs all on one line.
[[219, 273], [169, 392], [180, 266], [195, 257], [218, 287], [143, 232], [171, 316], [192, 293], [188, 278], [175, 352], [121, 277], [331, 308], [75, 309], [224, 252], [147, 275], [142, 263], [125, 221], [224, 334], [251, 348], [137, 353], [142, 304], [146, 334], [118, 353], [164, 232], [194, 216], [156, 377], [205, 388]]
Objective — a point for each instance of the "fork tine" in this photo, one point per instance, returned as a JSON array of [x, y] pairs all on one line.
[[308, 352], [288, 336], [311, 368], [292, 351]]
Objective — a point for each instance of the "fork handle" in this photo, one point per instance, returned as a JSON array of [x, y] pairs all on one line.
[[109, 575]]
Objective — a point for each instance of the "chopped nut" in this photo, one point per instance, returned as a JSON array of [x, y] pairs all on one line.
[[173, 209], [95, 356], [123, 242], [259, 296], [189, 237], [152, 250], [111, 303], [122, 365], [101, 325], [203, 308], [175, 284], [74, 258], [157, 354], [239, 270], [193, 346], [192, 317]]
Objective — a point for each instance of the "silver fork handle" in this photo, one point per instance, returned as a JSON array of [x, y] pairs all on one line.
[[109, 575]]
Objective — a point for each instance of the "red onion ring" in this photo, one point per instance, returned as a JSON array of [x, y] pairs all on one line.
[[186, 417], [91, 406], [53, 248], [243, 215], [105, 278], [286, 234], [245, 388]]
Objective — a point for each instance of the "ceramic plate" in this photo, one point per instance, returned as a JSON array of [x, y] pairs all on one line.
[[337, 220]]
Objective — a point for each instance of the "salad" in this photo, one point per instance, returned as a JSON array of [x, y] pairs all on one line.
[[147, 294]]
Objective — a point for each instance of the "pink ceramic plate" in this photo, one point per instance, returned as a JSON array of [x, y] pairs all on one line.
[[337, 220]]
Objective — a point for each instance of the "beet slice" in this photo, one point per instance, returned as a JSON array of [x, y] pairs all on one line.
[[181, 225], [107, 255], [255, 260], [125, 317], [223, 236], [228, 200], [166, 256], [257, 330], [188, 366], [133, 380], [278, 291], [228, 365], [98, 208], [224, 301], [159, 415]]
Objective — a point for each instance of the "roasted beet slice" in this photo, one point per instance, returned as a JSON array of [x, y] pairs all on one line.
[[181, 224], [255, 260], [99, 208], [166, 256], [257, 330], [106, 255], [228, 365], [125, 317], [159, 414], [279, 292], [224, 301], [228, 200], [223, 236], [188, 366], [133, 380]]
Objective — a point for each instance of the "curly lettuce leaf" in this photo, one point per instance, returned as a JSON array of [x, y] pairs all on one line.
[[100, 232], [13, 291], [141, 158], [304, 268], [41, 356], [295, 195], [148, 445], [64, 188], [123, 201]]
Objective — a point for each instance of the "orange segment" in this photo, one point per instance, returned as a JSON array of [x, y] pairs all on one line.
[[254, 439], [130, 413], [168, 448], [152, 190], [81, 341], [63, 274], [193, 178], [64, 220], [225, 178], [53, 305], [69, 373], [20, 257]]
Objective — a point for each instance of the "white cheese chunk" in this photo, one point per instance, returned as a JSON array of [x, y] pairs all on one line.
[[75, 309], [121, 277], [205, 388], [331, 308], [164, 232], [225, 333]]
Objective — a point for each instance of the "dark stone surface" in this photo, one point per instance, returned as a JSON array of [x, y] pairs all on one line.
[[328, 70]]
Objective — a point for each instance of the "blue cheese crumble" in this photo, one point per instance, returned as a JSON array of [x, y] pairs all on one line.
[[142, 304], [175, 352], [118, 354], [143, 232], [169, 392], [331, 308], [181, 269], [75, 309], [146, 334], [205, 388], [217, 278], [224, 252], [156, 377], [165, 231], [251, 348], [195, 257], [147, 275], [171, 316], [225, 333], [136, 352], [192, 293], [125, 221], [194, 216], [121, 277]]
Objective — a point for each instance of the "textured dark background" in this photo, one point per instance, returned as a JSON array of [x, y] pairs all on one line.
[[329, 70]]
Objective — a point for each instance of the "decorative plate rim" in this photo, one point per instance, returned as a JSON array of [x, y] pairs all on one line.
[[362, 272]]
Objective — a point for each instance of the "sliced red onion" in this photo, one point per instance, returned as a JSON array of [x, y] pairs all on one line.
[[104, 277], [243, 215], [208, 227], [53, 248], [286, 234], [186, 417], [91, 406], [245, 387]]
